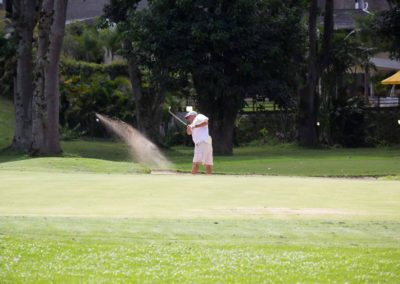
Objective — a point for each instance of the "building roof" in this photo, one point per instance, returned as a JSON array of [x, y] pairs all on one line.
[[85, 9], [386, 63], [79, 10], [346, 18]]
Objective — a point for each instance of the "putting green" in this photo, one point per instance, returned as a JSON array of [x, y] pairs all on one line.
[[140, 228], [187, 196]]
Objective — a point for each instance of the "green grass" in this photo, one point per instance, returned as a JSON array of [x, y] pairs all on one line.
[[288, 160], [90, 216], [291, 160], [134, 251], [71, 164], [282, 160], [156, 196], [87, 227]]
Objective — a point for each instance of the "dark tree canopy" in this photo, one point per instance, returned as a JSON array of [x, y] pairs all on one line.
[[231, 49], [386, 28]]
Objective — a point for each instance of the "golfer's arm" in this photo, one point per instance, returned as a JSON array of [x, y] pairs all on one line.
[[201, 124]]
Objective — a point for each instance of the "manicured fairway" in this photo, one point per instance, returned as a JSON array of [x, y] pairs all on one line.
[[101, 228]]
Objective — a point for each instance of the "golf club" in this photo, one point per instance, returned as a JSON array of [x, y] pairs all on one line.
[[176, 117]]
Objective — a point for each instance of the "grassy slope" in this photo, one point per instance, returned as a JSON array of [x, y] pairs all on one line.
[[271, 160], [287, 160], [141, 228], [294, 161], [73, 164]]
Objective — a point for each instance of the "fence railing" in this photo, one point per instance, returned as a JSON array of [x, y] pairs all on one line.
[[384, 101]]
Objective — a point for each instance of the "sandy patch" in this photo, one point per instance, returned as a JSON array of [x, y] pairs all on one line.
[[279, 211]]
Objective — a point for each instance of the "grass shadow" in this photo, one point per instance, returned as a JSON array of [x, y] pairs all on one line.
[[8, 155]]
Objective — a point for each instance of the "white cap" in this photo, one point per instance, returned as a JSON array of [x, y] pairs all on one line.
[[190, 113]]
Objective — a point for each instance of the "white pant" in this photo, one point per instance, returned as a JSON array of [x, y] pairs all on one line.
[[203, 153]]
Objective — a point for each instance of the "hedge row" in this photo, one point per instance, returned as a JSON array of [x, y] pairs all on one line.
[[71, 67]]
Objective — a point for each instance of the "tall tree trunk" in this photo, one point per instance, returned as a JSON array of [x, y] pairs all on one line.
[[47, 96], [53, 76], [307, 119], [40, 116], [222, 115], [221, 111], [149, 105], [24, 14], [151, 113], [136, 82], [221, 130], [307, 112], [327, 37]]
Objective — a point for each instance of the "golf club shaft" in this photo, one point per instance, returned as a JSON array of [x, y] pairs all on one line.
[[176, 117]]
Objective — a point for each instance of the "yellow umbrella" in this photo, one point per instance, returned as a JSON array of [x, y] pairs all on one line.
[[392, 80]]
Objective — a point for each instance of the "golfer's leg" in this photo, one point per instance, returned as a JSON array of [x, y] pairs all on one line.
[[208, 169], [208, 159], [197, 158], [195, 168]]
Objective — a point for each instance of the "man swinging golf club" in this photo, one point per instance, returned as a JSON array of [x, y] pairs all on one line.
[[203, 151]]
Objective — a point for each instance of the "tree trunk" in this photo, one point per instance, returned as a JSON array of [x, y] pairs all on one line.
[[40, 116], [307, 111], [24, 21], [47, 96], [316, 64], [53, 77], [149, 104], [136, 82], [327, 37], [221, 124], [221, 131], [151, 113], [221, 109]]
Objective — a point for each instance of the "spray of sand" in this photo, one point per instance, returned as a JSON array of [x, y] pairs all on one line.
[[142, 150]]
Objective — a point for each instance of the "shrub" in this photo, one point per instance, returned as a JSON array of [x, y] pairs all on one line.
[[268, 127], [348, 122], [82, 41], [383, 127], [82, 97], [86, 69]]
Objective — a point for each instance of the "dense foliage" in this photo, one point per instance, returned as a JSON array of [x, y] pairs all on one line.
[[386, 30], [228, 49], [85, 69], [83, 96], [86, 42]]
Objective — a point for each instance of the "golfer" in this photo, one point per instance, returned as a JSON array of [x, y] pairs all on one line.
[[203, 151]]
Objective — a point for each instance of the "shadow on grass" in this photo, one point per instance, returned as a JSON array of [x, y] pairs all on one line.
[[8, 155]]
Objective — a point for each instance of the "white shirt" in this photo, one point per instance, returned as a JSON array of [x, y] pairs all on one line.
[[200, 134]]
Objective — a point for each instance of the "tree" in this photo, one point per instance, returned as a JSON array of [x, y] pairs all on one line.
[[47, 95], [384, 29], [148, 77], [24, 19], [318, 60], [36, 87], [231, 49]]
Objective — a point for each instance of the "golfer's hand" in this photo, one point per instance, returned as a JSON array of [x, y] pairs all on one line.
[[189, 130]]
